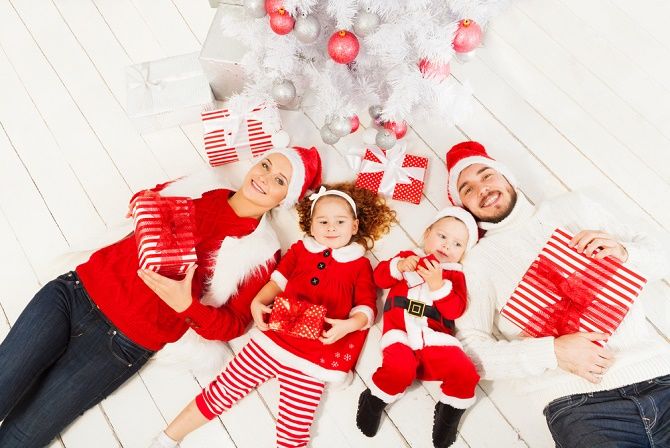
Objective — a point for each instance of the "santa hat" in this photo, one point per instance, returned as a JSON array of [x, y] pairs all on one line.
[[306, 164], [461, 156], [464, 216]]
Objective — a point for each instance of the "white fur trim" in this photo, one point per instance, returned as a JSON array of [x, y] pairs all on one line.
[[458, 403], [393, 268], [297, 176], [383, 396], [444, 291], [345, 254], [193, 352], [369, 313], [452, 266], [466, 218], [392, 337], [286, 357], [432, 338], [462, 164], [279, 279]]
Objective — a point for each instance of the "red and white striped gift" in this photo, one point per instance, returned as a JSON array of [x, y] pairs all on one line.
[[164, 233], [564, 291], [231, 138]]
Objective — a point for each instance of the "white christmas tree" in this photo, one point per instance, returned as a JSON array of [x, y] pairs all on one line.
[[391, 56]]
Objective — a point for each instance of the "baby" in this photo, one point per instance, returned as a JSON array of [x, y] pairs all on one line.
[[427, 293]]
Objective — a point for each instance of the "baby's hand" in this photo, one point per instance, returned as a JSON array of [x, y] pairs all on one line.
[[258, 309], [432, 274], [408, 264], [339, 328]]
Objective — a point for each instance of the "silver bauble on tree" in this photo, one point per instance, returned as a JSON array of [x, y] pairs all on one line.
[[283, 92], [340, 126], [385, 139], [366, 23], [328, 136], [375, 111], [307, 28], [255, 8]]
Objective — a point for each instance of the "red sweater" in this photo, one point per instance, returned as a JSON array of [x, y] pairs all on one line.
[[111, 280]]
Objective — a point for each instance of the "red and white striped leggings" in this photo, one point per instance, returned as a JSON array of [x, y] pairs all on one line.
[[299, 394]]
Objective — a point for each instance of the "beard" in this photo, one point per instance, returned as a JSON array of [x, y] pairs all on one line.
[[501, 214]]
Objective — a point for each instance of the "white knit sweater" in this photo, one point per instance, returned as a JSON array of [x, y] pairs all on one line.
[[494, 267]]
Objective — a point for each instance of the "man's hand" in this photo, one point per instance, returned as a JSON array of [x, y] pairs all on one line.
[[587, 241], [577, 354], [408, 264]]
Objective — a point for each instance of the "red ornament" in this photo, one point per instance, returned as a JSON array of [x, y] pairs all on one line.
[[436, 72], [281, 22], [468, 36], [272, 6], [398, 128], [355, 123], [343, 47]]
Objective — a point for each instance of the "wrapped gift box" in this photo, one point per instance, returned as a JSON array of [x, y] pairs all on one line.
[[167, 92], [393, 173], [164, 233], [412, 277], [221, 55], [297, 318], [564, 292]]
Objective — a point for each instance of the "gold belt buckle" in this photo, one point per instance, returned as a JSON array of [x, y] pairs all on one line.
[[416, 308]]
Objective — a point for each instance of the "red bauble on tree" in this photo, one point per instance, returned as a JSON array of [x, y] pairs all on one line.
[[281, 22], [436, 72], [272, 6], [343, 47], [468, 36], [355, 123], [398, 128]]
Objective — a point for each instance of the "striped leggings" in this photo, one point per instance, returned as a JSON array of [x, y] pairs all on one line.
[[299, 394]]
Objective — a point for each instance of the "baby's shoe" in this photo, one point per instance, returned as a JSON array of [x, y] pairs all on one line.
[[445, 424], [369, 414]]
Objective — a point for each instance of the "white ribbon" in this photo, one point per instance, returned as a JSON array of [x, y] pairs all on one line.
[[390, 164]]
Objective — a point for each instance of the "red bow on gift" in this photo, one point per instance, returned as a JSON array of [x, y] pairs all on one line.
[[297, 318], [576, 290]]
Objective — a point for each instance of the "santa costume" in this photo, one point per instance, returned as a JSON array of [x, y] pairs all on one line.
[[339, 279], [417, 339]]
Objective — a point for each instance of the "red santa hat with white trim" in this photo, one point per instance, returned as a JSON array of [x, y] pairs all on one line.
[[464, 154], [306, 176], [466, 218]]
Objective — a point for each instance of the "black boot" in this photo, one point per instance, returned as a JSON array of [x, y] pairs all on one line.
[[369, 414], [445, 425]]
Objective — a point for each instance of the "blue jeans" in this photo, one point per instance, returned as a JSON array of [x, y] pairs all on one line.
[[61, 357], [637, 415]]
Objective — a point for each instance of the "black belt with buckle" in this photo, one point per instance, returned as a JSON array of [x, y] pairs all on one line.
[[418, 309]]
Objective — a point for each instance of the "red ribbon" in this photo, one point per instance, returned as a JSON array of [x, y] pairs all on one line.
[[176, 225], [292, 316]]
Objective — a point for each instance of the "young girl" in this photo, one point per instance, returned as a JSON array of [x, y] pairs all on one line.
[[328, 268], [417, 340]]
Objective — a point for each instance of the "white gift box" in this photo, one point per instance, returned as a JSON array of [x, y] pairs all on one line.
[[167, 92], [221, 56]]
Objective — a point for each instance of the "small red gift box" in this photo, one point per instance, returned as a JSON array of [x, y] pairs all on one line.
[[412, 277], [564, 292], [231, 136], [297, 318], [164, 229], [393, 173]]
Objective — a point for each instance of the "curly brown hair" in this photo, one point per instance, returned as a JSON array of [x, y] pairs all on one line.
[[375, 217]]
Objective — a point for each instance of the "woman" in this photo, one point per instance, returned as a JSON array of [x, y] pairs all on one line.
[[88, 331]]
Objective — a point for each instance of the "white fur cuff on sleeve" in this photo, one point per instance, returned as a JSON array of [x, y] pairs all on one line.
[[368, 313], [444, 291], [393, 267], [279, 279]]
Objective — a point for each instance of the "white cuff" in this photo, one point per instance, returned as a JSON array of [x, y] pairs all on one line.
[[442, 292], [458, 403], [393, 268], [369, 313], [279, 279], [540, 352]]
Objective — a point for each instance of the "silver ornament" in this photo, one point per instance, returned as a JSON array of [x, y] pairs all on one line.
[[328, 136], [385, 139], [366, 23], [307, 29], [283, 92], [340, 126], [255, 8], [375, 111]]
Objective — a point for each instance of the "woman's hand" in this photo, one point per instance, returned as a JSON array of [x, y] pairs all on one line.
[[432, 274], [339, 328], [175, 293], [587, 241], [408, 264], [141, 194], [258, 310]]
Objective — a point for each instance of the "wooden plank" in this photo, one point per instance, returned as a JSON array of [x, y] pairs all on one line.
[[168, 26]]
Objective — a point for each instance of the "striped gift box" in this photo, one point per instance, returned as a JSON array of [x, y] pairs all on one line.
[[231, 139], [164, 229], [564, 291]]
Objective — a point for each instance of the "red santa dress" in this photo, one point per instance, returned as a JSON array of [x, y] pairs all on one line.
[[416, 346]]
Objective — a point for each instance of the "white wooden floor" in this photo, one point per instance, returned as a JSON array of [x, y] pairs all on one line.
[[570, 93]]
